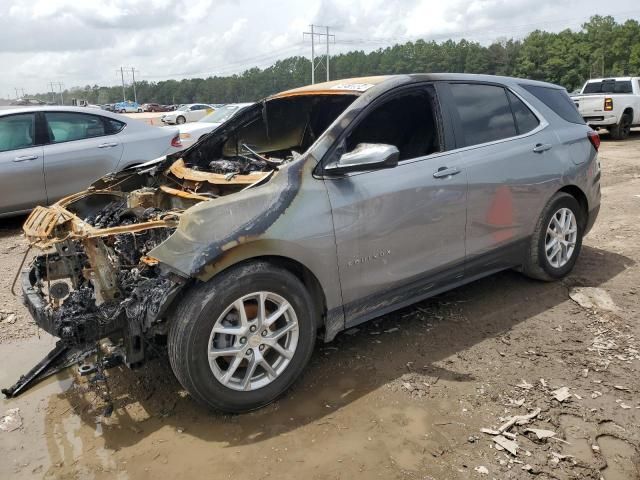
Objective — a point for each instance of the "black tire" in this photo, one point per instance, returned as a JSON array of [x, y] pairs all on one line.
[[180, 120], [196, 314], [536, 264], [621, 130]]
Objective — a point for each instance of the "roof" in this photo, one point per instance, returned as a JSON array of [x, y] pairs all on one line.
[[359, 85], [53, 108], [352, 86]]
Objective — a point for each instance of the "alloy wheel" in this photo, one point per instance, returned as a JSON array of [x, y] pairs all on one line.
[[253, 341], [560, 240]]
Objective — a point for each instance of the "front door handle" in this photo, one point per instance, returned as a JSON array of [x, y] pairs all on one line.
[[107, 145], [24, 158], [542, 147], [444, 172]]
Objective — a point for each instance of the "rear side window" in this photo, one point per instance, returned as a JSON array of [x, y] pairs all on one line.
[[557, 100], [525, 119], [17, 131], [70, 126], [484, 112]]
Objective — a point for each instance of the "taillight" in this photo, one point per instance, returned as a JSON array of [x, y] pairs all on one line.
[[175, 142], [594, 138], [608, 104]]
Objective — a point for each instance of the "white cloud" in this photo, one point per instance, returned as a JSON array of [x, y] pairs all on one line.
[[85, 42]]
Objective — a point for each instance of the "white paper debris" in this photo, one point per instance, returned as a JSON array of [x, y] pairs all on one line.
[[541, 433], [561, 394], [509, 445], [11, 420], [592, 298], [482, 470]]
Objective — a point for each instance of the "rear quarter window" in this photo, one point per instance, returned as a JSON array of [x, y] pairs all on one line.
[[484, 113], [557, 100]]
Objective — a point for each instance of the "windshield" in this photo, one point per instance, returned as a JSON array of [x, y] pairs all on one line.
[[221, 114], [182, 108], [608, 86]]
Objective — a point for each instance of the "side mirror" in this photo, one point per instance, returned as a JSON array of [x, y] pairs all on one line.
[[366, 156]]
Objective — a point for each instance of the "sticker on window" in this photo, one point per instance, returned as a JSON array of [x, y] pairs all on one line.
[[357, 87]]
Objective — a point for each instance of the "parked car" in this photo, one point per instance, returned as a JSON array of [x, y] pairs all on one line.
[[26, 101], [611, 103], [47, 153], [127, 107], [109, 107], [153, 107], [191, 133], [311, 212], [191, 112]]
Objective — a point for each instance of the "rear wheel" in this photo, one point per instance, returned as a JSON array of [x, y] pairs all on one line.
[[240, 340], [180, 120], [557, 239], [621, 130]]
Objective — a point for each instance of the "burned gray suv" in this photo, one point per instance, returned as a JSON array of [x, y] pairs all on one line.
[[308, 213]]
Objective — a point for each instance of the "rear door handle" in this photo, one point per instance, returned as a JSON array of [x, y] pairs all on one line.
[[542, 147], [444, 172], [24, 158], [107, 145]]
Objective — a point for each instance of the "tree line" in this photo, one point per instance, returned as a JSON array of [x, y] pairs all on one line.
[[602, 47]]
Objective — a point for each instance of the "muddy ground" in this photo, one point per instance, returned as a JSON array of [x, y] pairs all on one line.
[[402, 397]]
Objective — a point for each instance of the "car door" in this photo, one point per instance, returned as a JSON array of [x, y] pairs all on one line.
[[400, 231], [21, 160], [508, 155], [81, 148]]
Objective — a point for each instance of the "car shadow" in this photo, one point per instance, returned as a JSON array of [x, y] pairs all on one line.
[[419, 338], [11, 226]]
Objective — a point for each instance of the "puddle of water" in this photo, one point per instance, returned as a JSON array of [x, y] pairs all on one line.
[[579, 434], [24, 451], [622, 459]]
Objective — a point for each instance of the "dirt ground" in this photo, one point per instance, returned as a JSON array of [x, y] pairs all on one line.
[[403, 397]]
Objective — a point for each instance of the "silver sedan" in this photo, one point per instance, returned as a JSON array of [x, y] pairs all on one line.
[[47, 153]]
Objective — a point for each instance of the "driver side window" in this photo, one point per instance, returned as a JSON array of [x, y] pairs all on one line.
[[407, 121]]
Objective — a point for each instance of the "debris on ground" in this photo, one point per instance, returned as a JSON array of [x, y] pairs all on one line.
[[541, 433], [593, 298], [11, 420], [561, 394], [482, 470]]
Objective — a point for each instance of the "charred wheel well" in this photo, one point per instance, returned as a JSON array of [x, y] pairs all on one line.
[[579, 195]]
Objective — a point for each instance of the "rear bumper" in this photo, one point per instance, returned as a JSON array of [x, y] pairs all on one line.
[[600, 120]]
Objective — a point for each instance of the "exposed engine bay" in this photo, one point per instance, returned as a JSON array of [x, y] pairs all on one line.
[[95, 280]]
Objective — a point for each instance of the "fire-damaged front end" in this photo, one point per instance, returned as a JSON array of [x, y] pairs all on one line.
[[93, 279]]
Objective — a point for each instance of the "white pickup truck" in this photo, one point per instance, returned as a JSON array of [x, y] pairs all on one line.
[[611, 103]]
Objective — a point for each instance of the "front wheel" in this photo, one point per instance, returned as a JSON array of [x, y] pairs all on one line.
[[180, 120], [556, 240], [240, 340]]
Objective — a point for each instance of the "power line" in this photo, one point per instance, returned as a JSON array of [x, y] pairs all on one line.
[[313, 34], [238, 64]]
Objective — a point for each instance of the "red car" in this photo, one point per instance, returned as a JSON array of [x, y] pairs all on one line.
[[153, 107]]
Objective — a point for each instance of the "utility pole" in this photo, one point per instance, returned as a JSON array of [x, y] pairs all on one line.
[[60, 85], [133, 75], [124, 92], [328, 37], [16, 89]]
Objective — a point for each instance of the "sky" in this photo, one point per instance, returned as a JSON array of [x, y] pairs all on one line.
[[86, 42]]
